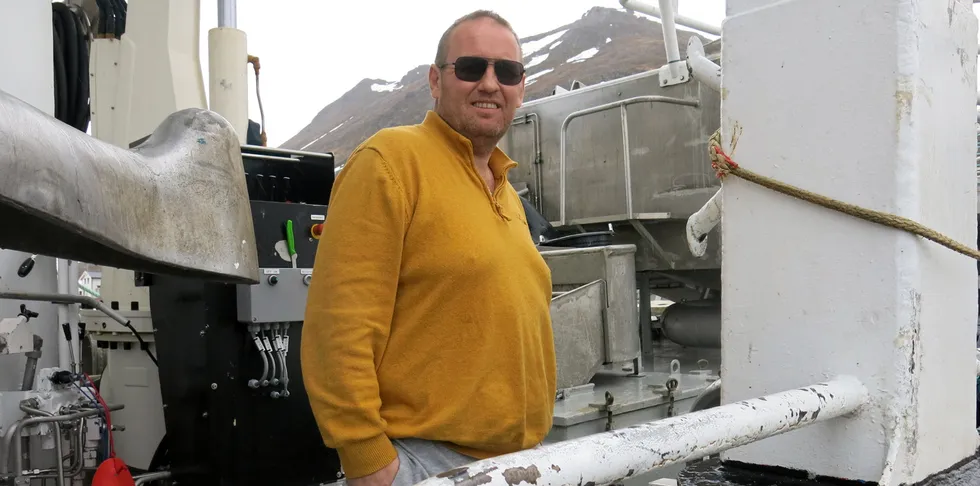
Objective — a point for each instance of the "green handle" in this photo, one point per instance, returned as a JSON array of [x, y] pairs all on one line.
[[290, 240]]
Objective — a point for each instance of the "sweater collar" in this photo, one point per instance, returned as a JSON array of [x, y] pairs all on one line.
[[500, 163]]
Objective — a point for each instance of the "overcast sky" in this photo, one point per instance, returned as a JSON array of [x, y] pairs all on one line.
[[313, 51]]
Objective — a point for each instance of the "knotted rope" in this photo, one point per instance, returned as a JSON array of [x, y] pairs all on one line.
[[725, 166]]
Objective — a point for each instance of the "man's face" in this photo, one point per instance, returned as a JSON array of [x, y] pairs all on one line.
[[481, 109]]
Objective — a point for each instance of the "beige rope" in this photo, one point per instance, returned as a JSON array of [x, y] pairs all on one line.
[[725, 166]]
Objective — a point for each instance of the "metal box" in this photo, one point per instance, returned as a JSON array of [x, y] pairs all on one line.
[[280, 296], [626, 153], [614, 266]]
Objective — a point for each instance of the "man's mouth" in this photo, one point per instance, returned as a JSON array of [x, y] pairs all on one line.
[[486, 104]]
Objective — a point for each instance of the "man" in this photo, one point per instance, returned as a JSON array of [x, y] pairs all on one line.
[[427, 342]]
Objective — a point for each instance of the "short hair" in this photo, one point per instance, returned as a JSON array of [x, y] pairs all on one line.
[[443, 50]]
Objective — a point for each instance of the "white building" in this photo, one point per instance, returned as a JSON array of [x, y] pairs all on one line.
[[91, 280]]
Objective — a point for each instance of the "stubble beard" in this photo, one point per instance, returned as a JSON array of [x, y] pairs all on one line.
[[484, 139]]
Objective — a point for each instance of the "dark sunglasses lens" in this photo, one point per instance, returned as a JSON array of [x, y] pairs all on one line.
[[470, 69], [508, 72]]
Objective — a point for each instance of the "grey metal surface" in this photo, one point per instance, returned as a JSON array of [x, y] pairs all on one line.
[[644, 180], [563, 159], [576, 317], [615, 266], [282, 301], [636, 399], [176, 204], [694, 323]]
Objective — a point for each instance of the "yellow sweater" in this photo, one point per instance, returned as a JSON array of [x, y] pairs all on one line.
[[428, 313]]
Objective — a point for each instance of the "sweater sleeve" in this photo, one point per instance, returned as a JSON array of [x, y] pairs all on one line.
[[349, 309]]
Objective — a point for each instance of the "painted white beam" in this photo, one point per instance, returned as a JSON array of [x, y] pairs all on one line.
[[889, 128], [701, 223], [610, 457], [654, 10]]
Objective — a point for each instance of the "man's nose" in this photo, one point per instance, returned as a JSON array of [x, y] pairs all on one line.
[[489, 80]]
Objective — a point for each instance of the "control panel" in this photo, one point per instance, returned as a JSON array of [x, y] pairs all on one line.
[[280, 296]]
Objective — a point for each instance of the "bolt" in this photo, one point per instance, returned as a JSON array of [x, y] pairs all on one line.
[[205, 415], [214, 386], [202, 333]]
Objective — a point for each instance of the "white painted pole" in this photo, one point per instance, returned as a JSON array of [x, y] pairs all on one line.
[[702, 68], [653, 10], [670, 36], [64, 347], [701, 223], [228, 77], [609, 457], [901, 140]]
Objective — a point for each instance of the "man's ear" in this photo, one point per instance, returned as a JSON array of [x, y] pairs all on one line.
[[434, 74]]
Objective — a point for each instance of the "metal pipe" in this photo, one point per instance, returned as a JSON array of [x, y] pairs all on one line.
[[228, 14], [609, 457], [538, 175], [73, 314], [702, 68], [706, 71], [626, 160], [710, 397], [654, 11], [152, 476], [30, 368], [78, 442], [596, 109], [64, 347], [76, 458], [59, 453], [670, 36], [15, 429], [68, 299], [701, 223]]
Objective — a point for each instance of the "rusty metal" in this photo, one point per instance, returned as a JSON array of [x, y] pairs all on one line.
[[175, 204], [610, 457]]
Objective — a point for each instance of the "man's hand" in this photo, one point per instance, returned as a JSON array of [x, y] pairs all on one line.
[[383, 477]]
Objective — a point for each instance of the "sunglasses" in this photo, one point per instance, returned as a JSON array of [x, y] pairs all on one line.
[[471, 69]]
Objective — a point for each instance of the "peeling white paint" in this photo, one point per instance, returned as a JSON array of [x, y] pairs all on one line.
[[701, 223], [609, 457]]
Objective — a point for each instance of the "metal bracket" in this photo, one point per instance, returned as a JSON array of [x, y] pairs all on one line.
[[657, 249], [673, 73]]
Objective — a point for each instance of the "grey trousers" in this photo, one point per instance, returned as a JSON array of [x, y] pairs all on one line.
[[421, 459]]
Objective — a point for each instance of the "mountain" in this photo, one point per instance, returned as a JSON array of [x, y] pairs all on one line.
[[602, 45]]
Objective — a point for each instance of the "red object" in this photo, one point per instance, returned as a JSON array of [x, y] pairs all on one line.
[[316, 230], [113, 472]]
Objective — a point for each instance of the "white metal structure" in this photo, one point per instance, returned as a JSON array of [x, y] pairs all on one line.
[[891, 129]]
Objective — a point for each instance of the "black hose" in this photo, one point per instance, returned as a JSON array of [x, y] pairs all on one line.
[[120, 8], [60, 80], [71, 65]]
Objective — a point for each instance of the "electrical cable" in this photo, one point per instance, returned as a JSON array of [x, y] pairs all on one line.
[[143, 344], [256, 65], [70, 32]]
